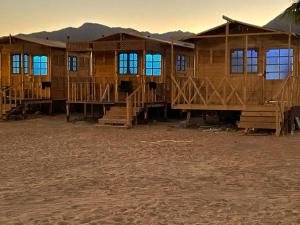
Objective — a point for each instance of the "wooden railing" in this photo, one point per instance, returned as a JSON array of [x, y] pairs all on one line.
[[288, 96], [134, 103], [144, 94], [8, 99], [30, 88], [218, 93], [289, 92], [92, 89], [233, 92]]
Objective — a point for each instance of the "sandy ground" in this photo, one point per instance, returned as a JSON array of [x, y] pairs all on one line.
[[52, 172]]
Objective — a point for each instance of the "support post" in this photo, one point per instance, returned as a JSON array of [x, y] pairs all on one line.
[[172, 72], [226, 49], [195, 60], [290, 76], [188, 118], [84, 111], [22, 73], [245, 68], [68, 73], [146, 113], [116, 77], [1, 90], [166, 111], [68, 111]]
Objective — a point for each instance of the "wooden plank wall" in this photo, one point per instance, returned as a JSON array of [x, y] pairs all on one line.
[[56, 69], [211, 63]]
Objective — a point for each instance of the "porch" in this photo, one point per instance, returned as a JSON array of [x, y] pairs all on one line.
[[256, 97]]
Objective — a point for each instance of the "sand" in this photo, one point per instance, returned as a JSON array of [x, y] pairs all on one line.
[[53, 172]]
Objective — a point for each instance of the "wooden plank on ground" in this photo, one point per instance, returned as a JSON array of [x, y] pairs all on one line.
[[259, 114], [258, 119], [257, 125]]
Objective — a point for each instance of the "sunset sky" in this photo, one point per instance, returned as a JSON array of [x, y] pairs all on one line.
[[20, 16]]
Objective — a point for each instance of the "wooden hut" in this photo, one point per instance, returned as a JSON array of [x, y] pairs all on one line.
[[125, 73], [32, 71], [246, 68]]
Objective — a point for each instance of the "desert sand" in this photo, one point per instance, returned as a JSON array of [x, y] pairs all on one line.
[[53, 172]]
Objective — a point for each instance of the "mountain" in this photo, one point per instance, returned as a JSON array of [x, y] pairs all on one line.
[[92, 31], [291, 16]]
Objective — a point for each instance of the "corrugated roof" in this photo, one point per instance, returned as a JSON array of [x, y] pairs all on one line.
[[45, 42], [176, 43]]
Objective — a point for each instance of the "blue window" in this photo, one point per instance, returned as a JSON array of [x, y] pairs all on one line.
[[181, 63], [153, 64], [40, 65], [237, 61], [252, 61], [278, 63], [25, 63], [72, 61], [128, 63], [16, 63]]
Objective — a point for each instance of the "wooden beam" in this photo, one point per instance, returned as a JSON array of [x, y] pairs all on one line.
[[245, 68], [195, 60], [226, 49], [68, 73], [242, 35], [116, 77]]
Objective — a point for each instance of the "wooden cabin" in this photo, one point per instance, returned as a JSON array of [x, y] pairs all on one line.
[[125, 73], [32, 72], [246, 68]]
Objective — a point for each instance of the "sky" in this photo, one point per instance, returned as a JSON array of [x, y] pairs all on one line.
[[159, 16]]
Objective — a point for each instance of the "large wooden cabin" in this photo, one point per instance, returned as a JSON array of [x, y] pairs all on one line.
[[246, 68], [32, 72], [125, 73]]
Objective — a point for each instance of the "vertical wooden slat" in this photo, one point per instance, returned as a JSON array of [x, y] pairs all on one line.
[[226, 49], [245, 68]]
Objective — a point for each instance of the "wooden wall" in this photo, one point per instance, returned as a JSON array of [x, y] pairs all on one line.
[[105, 66], [56, 66], [211, 63]]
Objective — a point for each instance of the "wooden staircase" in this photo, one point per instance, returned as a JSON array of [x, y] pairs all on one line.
[[6, 110], [9, 102], [267, 117], [117, 116], [125, 114]]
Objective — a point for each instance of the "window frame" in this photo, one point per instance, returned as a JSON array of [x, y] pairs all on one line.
[[181, 63], [153, 62], [40, 67], [19, 67], [26, 64], [252, 65], [71, 66], [279, 64], [237, 58], [129, 62]]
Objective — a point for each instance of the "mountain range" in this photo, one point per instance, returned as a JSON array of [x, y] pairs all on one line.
[[92, 31]]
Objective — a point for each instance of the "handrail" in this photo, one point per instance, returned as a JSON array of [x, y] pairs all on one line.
[[134, 102], [8, 97], [289, 92]]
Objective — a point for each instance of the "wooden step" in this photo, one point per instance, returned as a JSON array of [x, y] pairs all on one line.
[[256, 125], [265, 108], [259, 114], [261, 119], [109, 116], [7, 108], [113, 121]]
